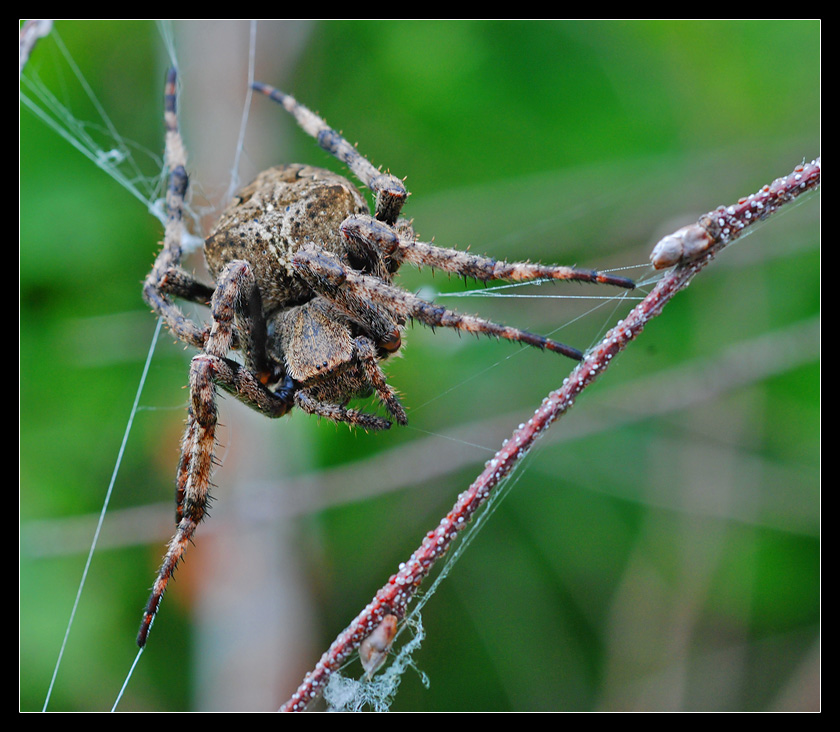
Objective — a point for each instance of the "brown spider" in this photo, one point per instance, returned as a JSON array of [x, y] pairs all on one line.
[[303, 290]]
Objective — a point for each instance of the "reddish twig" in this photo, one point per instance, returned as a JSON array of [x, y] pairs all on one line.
[[688, 250]]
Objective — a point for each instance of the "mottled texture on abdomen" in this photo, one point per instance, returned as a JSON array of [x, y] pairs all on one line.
[[269, 220]]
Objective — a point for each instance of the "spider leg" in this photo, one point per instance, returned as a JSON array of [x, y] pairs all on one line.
[[166, 278], [232, 309], [338, 413], [177, 282], [389, 190], [366, 229], [367, 356], [358, 293]]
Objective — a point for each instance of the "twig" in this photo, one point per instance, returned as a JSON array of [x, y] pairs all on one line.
[[688, 250]]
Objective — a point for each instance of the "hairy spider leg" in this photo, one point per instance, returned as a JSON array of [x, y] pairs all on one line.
[[361, 228], [389, 190], [354, 292], [230, 313], [166, 276], [391, 196]]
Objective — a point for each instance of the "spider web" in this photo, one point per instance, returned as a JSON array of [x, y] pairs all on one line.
[[137, 171]]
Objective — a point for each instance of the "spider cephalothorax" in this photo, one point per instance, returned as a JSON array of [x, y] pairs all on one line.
[[304, 293]]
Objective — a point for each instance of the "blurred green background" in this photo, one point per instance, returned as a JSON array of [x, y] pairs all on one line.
[[659, 551]]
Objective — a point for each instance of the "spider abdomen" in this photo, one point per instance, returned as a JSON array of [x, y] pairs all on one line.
[[285, 208]]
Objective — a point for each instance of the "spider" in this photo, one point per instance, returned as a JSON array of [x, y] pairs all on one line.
[[303, 291]]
